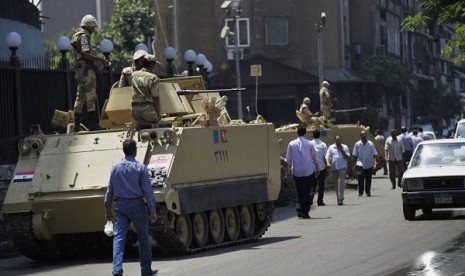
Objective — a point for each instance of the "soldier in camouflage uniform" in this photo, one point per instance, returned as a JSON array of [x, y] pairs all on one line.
[[145, 101], [84, 61], [138, 63]]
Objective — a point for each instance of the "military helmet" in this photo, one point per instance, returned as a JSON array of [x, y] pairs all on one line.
[[325, 83], [151, 58], [307, 100], [89, 21], [139, 54]]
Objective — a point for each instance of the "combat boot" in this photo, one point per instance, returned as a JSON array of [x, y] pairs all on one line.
[[77, 122]]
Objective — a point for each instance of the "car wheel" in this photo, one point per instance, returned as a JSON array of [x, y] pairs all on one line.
[[427, 210], [409, 211]]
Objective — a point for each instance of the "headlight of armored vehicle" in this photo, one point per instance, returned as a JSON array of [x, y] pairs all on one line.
[[414, 184], [24, 147]]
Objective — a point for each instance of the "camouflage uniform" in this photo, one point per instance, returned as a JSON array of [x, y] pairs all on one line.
[[145, 87], [125, 79], [326, 104], [85, 72]]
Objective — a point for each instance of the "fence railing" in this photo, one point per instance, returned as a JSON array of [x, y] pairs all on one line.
[[30, 96]]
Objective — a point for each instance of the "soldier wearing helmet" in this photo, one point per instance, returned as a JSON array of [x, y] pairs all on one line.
[[137, 64], [85, 68], [325, 101], [145, 101]]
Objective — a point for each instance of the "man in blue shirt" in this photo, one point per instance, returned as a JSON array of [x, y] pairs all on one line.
[[129, 185], [302, 163]]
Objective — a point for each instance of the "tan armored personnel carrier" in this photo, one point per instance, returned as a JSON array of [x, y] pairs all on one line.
[[215, 180]]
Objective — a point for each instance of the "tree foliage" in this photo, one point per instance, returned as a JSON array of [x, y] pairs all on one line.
[[388, 72], [449, 12]]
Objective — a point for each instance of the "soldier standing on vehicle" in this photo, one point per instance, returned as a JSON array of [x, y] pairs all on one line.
[[138, 63], [85, 69], [145, 99], [326, 103], [365, 155]]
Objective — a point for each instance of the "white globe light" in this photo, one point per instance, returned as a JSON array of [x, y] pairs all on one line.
[[190, 56], [63, 43], [141, 46], [13, 39], [106, 46], [169, 53], [209, 66], [200, 59]]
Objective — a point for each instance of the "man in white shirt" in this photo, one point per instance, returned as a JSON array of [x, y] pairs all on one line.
[[408, 146], [393, 153], [303, 165], [321, 148], [336, 161], [416, 139], [365, 155]]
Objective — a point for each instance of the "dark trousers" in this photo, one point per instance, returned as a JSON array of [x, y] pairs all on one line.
[[396, 168], [304, 186], [321, 185], [364, 180], [407, 156]]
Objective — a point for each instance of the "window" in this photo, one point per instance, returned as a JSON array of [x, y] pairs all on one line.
[[242, 24], [277, 31]]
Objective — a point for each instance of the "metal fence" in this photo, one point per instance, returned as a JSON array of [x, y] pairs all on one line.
[[30, 96]]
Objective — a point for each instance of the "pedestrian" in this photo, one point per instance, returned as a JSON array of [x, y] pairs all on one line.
[[320, 148], [365, 154], [337, 157], [130, 188], [408, 146], [423, 135], [302, 164], [380, 138], [145, 101], [416, 139], [85, 68], [137, 64], [393, 153]]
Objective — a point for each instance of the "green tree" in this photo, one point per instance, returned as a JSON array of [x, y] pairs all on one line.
[[451, 12]]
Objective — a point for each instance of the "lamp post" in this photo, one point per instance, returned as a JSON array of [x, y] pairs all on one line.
[[200, 61], [207, 69], [13, 40], [141, 46], [170, 55], [64, 45], [106, 46], [319, 27], [189, 57]]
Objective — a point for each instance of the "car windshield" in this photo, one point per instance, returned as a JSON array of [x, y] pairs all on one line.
[[460, 131], [430, 155]]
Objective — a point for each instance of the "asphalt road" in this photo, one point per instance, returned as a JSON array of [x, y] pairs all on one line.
[[365, 236]]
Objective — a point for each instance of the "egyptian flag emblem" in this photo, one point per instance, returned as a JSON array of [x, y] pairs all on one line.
[[24, 176]]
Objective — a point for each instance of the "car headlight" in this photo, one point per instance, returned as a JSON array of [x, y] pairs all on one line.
[[414, 184]]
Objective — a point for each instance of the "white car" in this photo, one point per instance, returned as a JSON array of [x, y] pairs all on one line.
[[435, 177]]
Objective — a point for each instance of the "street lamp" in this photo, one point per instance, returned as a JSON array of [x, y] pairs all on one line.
[[189, 57], [13, 40], [63, 45], [170, 55], [141, 46], [319, 27], [200, 61], [207, 69], [106, 46]]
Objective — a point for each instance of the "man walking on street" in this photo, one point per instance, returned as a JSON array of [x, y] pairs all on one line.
[[303, 165], [321, 148], [336, 161], [393, 153], [365, 155], [408, 146], [85, 68], [130, 188]]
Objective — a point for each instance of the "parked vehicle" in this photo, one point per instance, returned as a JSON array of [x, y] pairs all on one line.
[[460, 129], [435, 177]]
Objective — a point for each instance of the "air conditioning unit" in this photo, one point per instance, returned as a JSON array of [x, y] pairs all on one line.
[[231, 54]]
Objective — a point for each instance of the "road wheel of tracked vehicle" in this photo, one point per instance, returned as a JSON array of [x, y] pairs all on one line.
[[247, 221], [232, 219], [201, 229], [184, 230], [262, 211], [217, 226], [409, 211]]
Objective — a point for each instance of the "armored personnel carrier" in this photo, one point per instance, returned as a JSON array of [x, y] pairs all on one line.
[[215, 180]]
